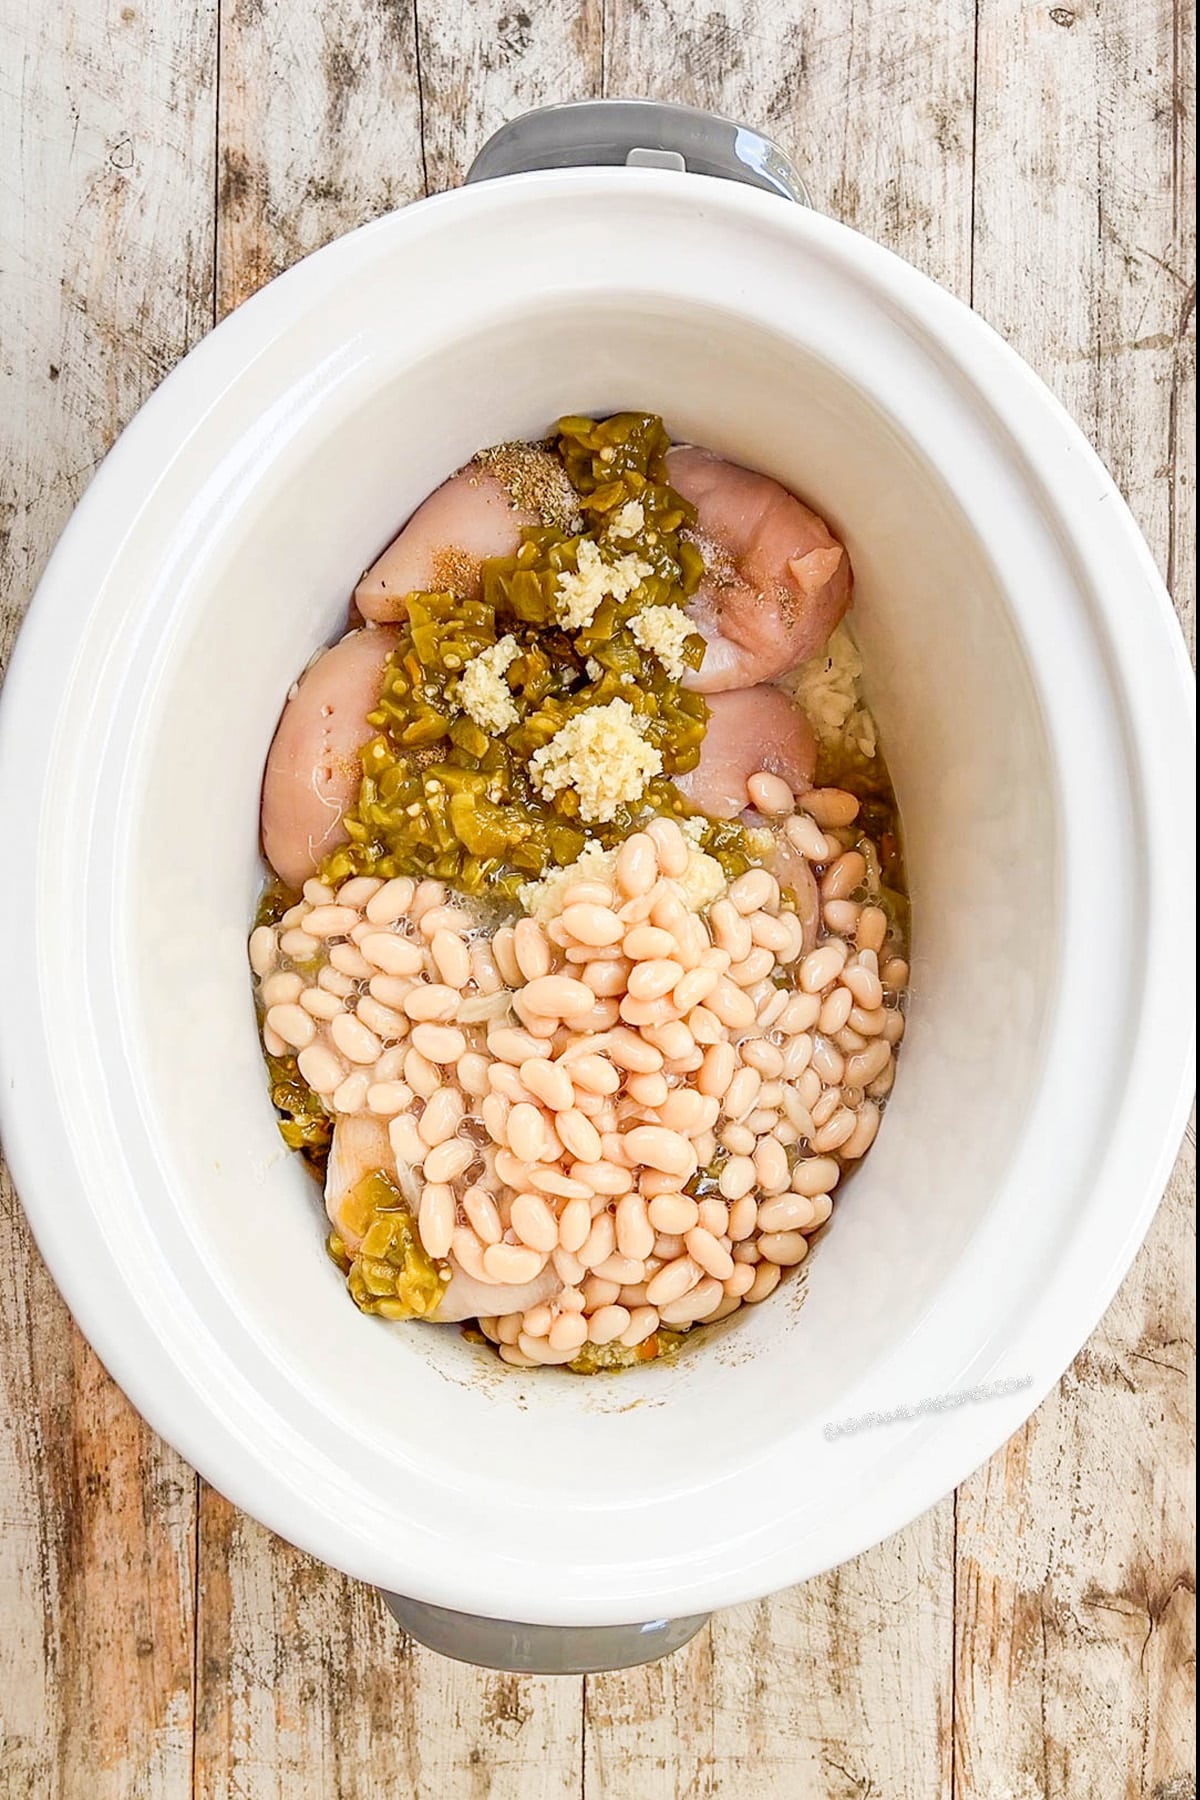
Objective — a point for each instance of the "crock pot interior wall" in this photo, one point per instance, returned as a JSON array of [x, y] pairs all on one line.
[[963, 732]]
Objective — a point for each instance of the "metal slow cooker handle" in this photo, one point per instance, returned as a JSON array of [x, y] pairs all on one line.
[[540, 1649], [645, 134], [592, 134]]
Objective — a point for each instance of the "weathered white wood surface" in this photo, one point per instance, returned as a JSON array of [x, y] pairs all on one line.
[[106, 225], [1075, 1612], [1032, 1637]]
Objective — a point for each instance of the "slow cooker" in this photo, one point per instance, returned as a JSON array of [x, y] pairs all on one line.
[[1033, 697]]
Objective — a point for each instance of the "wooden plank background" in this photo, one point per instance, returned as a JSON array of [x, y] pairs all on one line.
[[1031, 1638]]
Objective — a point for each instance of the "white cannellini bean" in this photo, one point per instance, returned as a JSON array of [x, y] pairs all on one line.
[[264, 950], [736, 1177], [358, 890], [766, 1280], [394, 955], [771, 1166], [634, 1232], [431, 1000], [756, 889], [696, 1304], [643, 1320], [448, 1160], [821, 966], [387, 1098], [786, 1212], [451, 957], [282, 988], [671, 847], [771, 795], [408, 1146], [440, 1043], [331, 921], [349, 961], [783, 1247], [549, 1082], [334, 982], [384, 1021], [351, 1095], [391, 901], [293, 1025], [534, 1222], [321, 1068], [298, 944], [804, 835], [706, 1250], [435, 1218], [512, 1263], [422, 1076], [831, 807], [482, 1214], [357, 1043], [863, 1136], [672, 1281], [319, 1004], [441, 1117]]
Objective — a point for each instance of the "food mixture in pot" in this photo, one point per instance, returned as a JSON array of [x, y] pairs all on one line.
[[581, 978]]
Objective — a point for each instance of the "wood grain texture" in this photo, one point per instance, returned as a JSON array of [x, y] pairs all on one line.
[[106, 189], [1034, 1641], [97, 1522], [1076, 1598], [320, 130], [837, 1690], [873, 102], [484, 61], [1076, 1587], [308, 1687]]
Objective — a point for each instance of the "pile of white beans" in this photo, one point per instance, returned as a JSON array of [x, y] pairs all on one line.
[[555, 1086]]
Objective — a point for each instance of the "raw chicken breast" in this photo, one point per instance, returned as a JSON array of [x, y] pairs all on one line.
[[313, 769], [360, 1146], [466, 1298], [794, 872], [777, 581], [749, 729], [479, 512]]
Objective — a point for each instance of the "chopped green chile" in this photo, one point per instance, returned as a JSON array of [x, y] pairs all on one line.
[[303, 1124], [273, 902], [441, 797], [602, 1359], [391, 1274]]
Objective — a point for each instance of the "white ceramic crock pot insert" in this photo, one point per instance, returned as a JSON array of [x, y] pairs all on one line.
[[1029, 685]]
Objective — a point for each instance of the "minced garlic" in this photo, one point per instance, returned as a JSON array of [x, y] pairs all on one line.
[[601, 753], [662, 631], [703, 881], [628, 520], [543, 899], [581, 591], [484, 693]]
